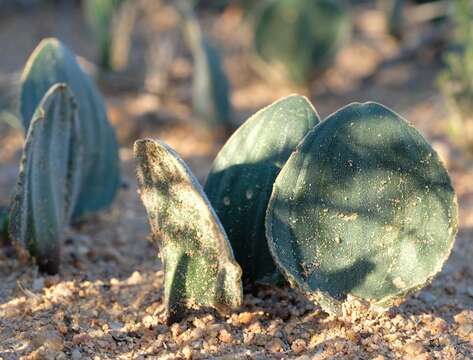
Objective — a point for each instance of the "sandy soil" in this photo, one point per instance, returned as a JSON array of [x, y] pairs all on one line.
[[107, 301]]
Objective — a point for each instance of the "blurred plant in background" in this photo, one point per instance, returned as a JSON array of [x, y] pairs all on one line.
[[402, 13], [290, 41], [220, 5], [18, 3], [293, 40], [159, 46], [9, 97], [393, 10], [210, 91], [456, 81], [301, 36], [111, 23]]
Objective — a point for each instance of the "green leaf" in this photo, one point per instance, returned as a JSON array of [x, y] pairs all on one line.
[[240, 182], [100, 15], [362, 208], [51, 63], [302, 35], [199, 267], [48, 182], [210, 88]]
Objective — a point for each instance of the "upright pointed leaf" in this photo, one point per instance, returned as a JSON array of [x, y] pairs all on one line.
[[111, 24], [47, 185], [302, 35], [4, 226], [9, 99], [199, 267], [210, 87], [240, 182], [51, 63]]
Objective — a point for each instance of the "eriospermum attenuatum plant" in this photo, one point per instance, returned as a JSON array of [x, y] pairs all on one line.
[[362, 208], [357, 206], [70, 161], [51, 63], [199, 267], [49, 180], [303, 36], [241, 179]]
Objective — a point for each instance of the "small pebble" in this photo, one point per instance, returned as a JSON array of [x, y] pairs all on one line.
[[62, 328], [439, 326], [49, 339], [81, 338], [469, 291], [465, 330], [275, 345], [352, 335], [176, 330], [38, 284], [246, 318], [199, 323], [114, 282], [187, 352], [464, 317], [255, 327], [134, 279], [150, 321], [225, 336], [413, 348], [76, 355], [298, 346]]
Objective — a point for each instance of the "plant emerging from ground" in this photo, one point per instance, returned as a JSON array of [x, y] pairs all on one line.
[[355, 206], [456, 81]]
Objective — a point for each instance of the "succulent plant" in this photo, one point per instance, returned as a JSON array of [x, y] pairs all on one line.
[[49, 178], [111, 24], [364, 208], [455, 81], [220, 5], [51, 63], [199, 267], [397, 11], [394, 10], [240, 182], [210, 88], [3, 225], [302, 35], [9, 95]]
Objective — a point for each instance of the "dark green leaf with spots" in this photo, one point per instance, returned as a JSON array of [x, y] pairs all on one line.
[[51, 63], [49, 178], [199, 267], [364, 208], [240, 182]]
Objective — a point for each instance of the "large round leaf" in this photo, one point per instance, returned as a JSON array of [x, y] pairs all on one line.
[[363, 207]]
